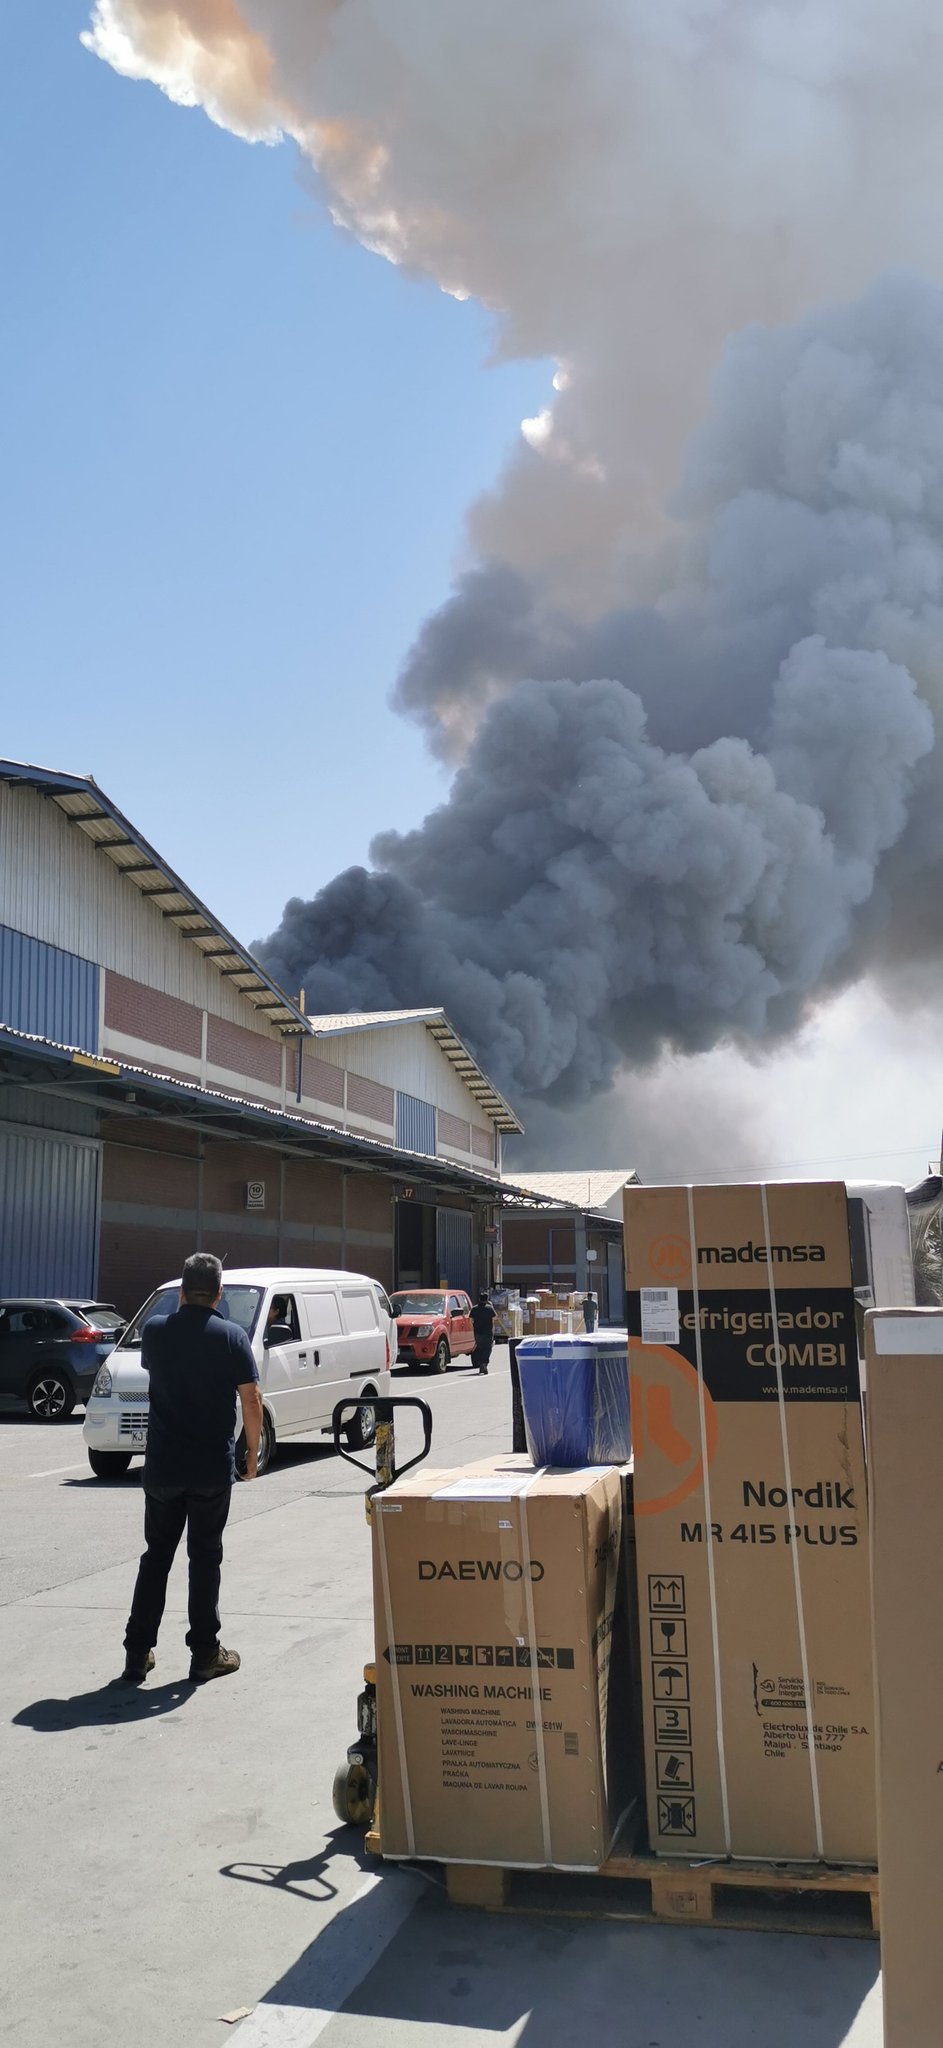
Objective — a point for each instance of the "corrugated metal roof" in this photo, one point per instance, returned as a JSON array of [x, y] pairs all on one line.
[[333, 1023], [92, 812], [590, 1190], [336, 1024]]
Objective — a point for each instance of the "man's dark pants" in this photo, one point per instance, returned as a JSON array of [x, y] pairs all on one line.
[[168, 1510]]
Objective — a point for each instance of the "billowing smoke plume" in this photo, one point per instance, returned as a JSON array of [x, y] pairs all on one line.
[[697, 776]]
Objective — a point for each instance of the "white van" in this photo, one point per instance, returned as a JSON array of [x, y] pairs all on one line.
[[318, 1337]]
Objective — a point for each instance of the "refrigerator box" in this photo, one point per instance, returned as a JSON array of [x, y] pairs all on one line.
[[751, 1522], [501, 1657], [905, 1450]]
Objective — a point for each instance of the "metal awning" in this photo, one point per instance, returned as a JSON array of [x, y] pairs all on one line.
[[118, 1087]]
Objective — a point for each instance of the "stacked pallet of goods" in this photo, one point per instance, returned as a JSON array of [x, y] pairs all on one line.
[[646, 1652]]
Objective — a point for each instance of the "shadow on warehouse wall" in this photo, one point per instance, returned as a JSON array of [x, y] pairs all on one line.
[[546, 1982]]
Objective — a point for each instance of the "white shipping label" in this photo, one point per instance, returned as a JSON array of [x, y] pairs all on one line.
[[660, 1323], [505, 1487]]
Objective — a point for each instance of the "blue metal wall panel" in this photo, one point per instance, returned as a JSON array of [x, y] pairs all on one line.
[[50, 1199], [47, 991], [415, 1124], [31, 1106], [454, 1247]]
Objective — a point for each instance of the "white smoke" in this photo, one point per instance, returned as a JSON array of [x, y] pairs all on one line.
[[698, 778]]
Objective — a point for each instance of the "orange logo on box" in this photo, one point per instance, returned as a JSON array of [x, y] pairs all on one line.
[[666, 1427], [670, 1258]]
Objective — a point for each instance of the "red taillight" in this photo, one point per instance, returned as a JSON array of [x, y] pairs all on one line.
[[89, 1336], [387, 1354]]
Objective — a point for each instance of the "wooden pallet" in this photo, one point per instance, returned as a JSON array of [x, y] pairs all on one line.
[[773, 1898], [793, 1899]]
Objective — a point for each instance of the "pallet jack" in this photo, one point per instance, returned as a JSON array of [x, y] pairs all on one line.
[[355, 1780]]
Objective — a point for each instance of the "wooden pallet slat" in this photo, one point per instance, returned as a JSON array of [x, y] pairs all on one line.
[[788, 1899]]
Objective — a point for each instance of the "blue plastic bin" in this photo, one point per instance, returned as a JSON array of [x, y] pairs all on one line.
[[575, 1393]]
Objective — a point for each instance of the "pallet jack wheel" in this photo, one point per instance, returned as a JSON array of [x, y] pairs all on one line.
[[355, 1794]]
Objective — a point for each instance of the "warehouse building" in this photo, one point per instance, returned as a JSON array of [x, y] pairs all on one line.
[[159, 1091], [565, 1232]]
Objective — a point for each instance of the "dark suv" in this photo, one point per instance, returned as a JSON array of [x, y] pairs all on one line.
[[49, 1356]]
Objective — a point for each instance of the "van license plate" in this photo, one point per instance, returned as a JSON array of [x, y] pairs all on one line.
[[139, 1436]]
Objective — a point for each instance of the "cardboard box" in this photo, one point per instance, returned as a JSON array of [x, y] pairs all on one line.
[[497, 1605], [751, 1522], [905, 1456]]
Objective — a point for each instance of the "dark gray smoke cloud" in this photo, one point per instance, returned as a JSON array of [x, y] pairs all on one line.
[[675, 824]]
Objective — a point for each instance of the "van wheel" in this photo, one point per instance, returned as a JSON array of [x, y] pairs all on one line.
[[440, 1362], [266, 1449], [360, 1432], [109, 1464]]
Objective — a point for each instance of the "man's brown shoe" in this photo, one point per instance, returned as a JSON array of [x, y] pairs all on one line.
[[220, 1666], [136, 1668]]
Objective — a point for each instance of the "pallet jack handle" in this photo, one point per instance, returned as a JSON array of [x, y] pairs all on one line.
[[386, 1467]]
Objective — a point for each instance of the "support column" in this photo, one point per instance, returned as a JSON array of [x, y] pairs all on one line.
[[579, 1226]]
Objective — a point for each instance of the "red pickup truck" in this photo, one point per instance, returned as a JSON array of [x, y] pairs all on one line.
[[434, 1325]]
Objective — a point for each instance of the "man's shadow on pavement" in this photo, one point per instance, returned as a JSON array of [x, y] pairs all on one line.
[[108, 1706]]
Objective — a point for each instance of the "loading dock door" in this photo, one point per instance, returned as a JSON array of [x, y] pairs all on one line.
[[50, 1202], [455, 1247]]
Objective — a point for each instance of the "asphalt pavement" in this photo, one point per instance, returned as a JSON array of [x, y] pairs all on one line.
[[171, 1855]]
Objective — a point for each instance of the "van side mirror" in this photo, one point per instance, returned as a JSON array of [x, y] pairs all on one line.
[[279, 1333]]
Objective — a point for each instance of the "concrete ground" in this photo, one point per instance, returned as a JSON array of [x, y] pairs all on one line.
[[171, 1856]]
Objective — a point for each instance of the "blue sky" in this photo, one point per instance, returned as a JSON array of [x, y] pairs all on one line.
[[236, 454]]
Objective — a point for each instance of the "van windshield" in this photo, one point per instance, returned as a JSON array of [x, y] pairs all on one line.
[[239, 1305]]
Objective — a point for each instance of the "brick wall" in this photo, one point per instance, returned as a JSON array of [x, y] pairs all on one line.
[[226, 1170], [453, 1131], [312, 1192], [482, 1143], [133, 1175], [243, 1052], [148, 1013], [525, 1241], [376, 1260], [370, 1098], [369, 1204], [133, 1262], [320, 1079]]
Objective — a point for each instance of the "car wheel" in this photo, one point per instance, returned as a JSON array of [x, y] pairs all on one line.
[[51, 1396], [361, 1431], [109, 1464], [266, 1449], [440, 1362]]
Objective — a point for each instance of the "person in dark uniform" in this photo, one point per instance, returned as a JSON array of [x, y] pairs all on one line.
[[197, 1362], [483, 1319]]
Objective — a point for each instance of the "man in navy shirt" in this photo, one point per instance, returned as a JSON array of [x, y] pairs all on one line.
[[197, 1362]]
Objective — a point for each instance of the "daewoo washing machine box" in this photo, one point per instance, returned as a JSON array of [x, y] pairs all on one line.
[[750, 1522], [502, 1668]]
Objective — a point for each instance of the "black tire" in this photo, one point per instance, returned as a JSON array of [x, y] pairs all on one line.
[[109, 1464], [360, 1432], [354, 1795], [51, 1395], [440, 1362], [266, 1448]]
